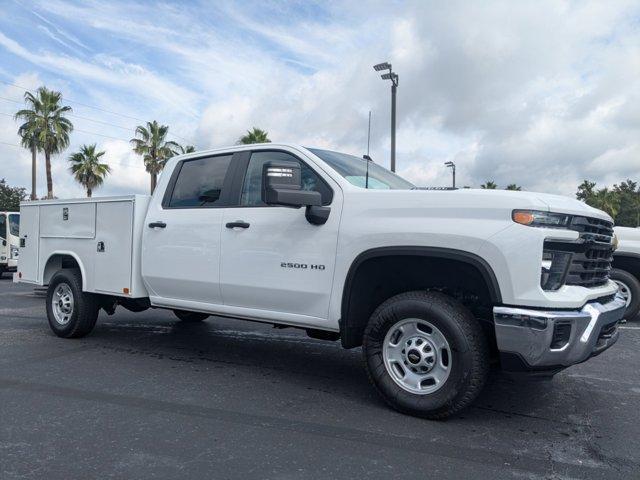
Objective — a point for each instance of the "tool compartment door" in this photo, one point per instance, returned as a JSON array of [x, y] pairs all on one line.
[[113, 246], [68, 220], [29, 243]]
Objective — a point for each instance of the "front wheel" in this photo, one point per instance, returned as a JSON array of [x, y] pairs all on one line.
[[71, 312], [629, 288], [426, 354]]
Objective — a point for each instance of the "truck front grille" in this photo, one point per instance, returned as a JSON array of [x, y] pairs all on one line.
[[592, 254], [591, 266], [600, 230]]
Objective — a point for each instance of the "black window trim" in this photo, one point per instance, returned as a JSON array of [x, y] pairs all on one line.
[[227, 183], [241, 171]]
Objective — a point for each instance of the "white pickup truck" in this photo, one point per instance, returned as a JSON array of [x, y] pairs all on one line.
[[9, 231], [434, 285], [626, 268]]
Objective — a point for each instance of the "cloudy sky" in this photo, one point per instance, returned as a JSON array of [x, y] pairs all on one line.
[[543, 94]]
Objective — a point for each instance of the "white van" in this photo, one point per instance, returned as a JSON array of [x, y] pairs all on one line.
[[9, 241]]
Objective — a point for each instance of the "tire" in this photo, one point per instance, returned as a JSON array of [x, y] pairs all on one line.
[[190, 317], [630, 289], [465, 351], [76, 312]]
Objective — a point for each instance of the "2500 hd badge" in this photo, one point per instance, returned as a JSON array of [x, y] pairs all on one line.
[[301, 265]]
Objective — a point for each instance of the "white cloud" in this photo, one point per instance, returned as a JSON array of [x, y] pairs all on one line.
[[541, 94]]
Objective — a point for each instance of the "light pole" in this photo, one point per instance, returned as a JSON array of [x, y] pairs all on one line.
[[453, 171], [394, 87]]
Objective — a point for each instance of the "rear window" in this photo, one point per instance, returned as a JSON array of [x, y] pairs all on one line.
[[199, 183]]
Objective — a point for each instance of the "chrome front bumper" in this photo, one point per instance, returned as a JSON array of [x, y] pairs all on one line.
[[525, 336]]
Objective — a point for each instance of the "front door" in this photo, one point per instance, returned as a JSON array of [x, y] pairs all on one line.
[[181, 240], [4, 243], [273, 259]]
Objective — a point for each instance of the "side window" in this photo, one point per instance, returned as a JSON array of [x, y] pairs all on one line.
[[252, 186], [3, 226], [199, 183], [14, 224]]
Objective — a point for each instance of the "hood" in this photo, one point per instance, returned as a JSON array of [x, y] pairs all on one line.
[[628, 234], [540, 201]]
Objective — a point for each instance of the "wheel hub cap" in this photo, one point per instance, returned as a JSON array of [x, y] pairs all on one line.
[[624, 291], [62, 304], [417, 356]]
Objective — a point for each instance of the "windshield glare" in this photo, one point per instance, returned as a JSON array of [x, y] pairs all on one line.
[[354, 170]]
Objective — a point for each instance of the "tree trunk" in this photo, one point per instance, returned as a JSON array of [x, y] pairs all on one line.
[[153, 182], [34, 195], [47, 161], [89, 192]]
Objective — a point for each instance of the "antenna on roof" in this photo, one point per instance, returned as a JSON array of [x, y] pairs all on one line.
[[367, 157], [369, 133]]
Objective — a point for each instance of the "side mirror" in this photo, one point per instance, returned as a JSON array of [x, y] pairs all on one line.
[[4, 243], [282, 185]]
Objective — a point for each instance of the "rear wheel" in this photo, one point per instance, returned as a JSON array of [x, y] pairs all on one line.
[[426, 354], [629, 288], [71, 312], [186, 316]]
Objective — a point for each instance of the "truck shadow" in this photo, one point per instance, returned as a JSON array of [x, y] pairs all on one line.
[[289, 357]]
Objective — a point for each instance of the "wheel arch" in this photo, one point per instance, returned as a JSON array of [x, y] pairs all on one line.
[[352, 325], [59, 260]]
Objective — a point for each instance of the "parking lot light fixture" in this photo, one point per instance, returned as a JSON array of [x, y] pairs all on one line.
[[394, 86], [452, 166], [382, 66]]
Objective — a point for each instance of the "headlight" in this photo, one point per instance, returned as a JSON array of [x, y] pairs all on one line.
[[14, 251], [537, 218]]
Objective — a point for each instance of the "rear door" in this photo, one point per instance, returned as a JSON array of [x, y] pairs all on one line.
[[279, 262], [181, 239]]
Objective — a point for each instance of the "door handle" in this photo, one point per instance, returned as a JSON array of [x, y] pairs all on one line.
[[157, 225], [237, 224]]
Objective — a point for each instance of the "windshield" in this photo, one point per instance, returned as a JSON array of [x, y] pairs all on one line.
[[14, 224], [354, 170]]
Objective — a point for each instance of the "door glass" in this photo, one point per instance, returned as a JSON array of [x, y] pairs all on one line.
[[14, 224], [252, 187], [3, 226], [199, 182]]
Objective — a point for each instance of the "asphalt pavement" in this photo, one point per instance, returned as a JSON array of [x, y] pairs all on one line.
[[146, 396]]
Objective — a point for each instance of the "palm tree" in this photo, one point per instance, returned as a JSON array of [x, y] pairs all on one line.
[[513, 186], [186, 149], [87, 169], [489, 185], [606, 200], [29, 139], [586, 191], [255, 136], [45, 119], [154, 148]]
